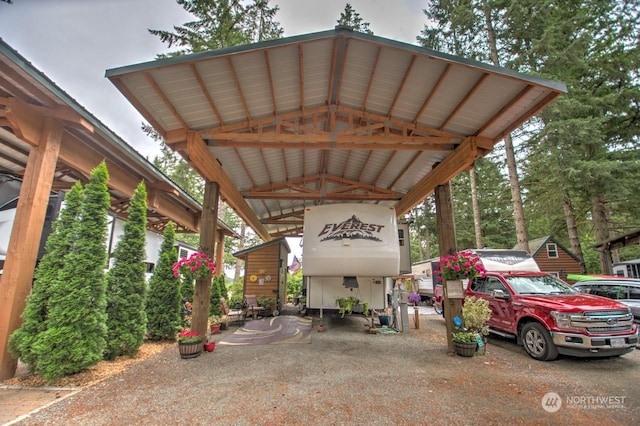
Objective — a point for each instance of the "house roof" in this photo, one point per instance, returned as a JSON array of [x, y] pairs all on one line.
[[27, 95], [242, 254], [536, 246], [329, 117]]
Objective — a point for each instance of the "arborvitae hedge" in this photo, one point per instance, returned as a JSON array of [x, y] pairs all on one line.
[[126, 286], [214, 302], [76, 331], [163, 301], [36, 312]]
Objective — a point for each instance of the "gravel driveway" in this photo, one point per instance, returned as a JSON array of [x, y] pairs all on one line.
[[347, 376]]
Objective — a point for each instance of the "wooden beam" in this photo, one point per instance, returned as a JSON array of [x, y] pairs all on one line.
[[22, 252], [330, 141], [209, 168], [319, 195], [81, 157], [26, 122], [460, 159]]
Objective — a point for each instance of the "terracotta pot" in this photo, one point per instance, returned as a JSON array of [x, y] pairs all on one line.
[[215, 328]]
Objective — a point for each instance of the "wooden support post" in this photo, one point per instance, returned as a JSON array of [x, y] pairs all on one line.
[[22, 252], [447, 244], [202, 291]]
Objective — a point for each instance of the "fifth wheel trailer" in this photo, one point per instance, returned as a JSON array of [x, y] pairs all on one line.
[[352, 250]]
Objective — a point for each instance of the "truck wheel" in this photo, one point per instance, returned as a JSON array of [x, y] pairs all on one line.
[[537, 342]]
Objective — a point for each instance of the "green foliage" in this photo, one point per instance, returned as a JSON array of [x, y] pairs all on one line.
[[294, 284], [36, 311], [346, 305], [220, 24], [76, 331], [163, 306], [268, 303], [126, 286], [187, 288], [475, 314], [214, 301], [237, 293], [351, 18]]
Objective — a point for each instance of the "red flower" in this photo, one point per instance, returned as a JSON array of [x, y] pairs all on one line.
[[198, 265]]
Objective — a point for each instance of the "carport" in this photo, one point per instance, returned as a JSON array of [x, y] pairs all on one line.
[[334, 116]]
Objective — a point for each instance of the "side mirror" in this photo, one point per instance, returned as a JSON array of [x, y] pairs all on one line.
[[500, 294]]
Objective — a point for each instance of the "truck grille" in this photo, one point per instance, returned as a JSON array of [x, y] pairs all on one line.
[[608, 321]]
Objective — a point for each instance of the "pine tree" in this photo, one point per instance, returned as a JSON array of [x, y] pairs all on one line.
[[163, 301], [186, 289], [126, 286], [36, 312], [351, 18], [214, 301], [76, 330]]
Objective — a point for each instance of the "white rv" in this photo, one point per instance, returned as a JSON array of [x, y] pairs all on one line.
[[352, 250]]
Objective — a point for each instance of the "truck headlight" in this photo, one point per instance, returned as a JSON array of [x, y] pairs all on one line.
[[563, 319]]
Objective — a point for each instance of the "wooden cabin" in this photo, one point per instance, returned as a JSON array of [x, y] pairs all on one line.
[[554, 258], [265, 270]]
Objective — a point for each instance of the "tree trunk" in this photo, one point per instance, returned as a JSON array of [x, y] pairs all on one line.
[[238, 267], [518, 211], [574, 239], [427, 241], [476, 208], [601, 232]]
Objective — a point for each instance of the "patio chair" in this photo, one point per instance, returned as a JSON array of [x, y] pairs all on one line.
[[234, 315], [253, 309]]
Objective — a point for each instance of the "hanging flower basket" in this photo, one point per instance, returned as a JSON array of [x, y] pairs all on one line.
[[196, 266]]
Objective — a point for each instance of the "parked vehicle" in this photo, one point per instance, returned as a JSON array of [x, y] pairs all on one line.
[[426, 280], [623, 290], [546, 315], [352, 250]]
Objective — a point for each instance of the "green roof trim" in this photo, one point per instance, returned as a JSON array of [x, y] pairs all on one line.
[[246, 251], [339, 31]]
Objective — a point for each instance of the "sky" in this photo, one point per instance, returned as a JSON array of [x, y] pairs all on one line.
[[73, 42]]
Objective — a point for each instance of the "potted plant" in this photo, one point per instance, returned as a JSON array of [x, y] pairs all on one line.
[[472, 327], [189, 343], [214, 324]]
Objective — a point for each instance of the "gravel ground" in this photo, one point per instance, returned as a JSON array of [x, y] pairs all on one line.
[[348, 376]]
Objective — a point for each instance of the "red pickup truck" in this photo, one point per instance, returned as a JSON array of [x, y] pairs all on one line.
[[549, 317]]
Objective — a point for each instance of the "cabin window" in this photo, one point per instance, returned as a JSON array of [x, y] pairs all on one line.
[[552, 251], [183, 253]]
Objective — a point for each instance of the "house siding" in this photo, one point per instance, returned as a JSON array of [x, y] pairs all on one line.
[[564, 264]]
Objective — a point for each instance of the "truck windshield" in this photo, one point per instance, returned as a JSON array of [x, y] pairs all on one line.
[[540, 285]]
